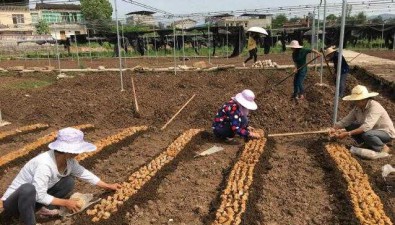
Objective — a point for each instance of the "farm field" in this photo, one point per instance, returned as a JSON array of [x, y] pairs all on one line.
[[272, 181]]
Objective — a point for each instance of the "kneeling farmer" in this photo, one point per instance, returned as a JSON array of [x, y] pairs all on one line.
[[232, 117], [47, 179], [368, 123]]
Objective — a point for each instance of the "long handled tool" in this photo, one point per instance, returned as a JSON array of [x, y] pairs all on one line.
[[326, 61], [135, 96], [290, 75], [171, 119], [355, 57], [298, 133]]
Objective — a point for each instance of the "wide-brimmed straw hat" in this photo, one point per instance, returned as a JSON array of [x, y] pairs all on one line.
[[328, 52], [294, 44], [71, 140], [246, 99], [359, 92]]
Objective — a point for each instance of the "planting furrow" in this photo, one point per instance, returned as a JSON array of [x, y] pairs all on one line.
[[235, 195], [35, 145], [138, 179], [110, 140], [20, 130], [368, 207]]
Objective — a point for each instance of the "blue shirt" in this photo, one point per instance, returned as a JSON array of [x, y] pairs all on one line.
[[345, 68]]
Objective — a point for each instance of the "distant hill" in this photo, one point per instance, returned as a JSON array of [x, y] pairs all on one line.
[[385, 16]]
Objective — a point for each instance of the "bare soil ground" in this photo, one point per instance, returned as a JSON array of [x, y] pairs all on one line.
[[292, 183], [386, 54]]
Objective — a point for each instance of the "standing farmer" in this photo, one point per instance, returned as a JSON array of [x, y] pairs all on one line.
[[299, 55], [252, 47], [333, 55]]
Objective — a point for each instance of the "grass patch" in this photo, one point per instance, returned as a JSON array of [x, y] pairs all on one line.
[[29, 84]]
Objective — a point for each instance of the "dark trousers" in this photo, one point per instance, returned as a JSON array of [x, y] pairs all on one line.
[[298, 82], [226, 130], [342, 88], [252, 54], [372, 139], [22, 203]]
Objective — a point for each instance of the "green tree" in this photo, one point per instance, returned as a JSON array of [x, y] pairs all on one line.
[[97, 13], [331, 17], [42, 27], [377, 20], [279, 21], [361, 18]]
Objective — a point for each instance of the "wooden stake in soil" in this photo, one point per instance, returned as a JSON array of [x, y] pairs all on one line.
[[135, 97], [177, 112], [3, 122]]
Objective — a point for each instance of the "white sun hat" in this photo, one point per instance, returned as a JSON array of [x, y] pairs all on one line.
[[294, 44], [359, 92], [71, 140], [246, 99]]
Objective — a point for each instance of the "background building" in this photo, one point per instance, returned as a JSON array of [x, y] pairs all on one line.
[[184, 24], [15, 20], [143, 18], [63, 19]]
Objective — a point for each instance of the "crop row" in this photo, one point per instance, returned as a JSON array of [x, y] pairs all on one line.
[[24, 129], [110, 140], [235, 195], [138, 179], [35, 145], [368, 207]]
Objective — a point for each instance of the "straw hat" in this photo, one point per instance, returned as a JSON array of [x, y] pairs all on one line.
[[329, 51], [359, 92], [294, 44], [71, 140], [246, 99]]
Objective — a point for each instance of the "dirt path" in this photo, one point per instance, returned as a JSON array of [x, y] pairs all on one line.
[[295, 185]]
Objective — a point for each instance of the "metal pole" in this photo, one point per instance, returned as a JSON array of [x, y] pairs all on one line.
[[393, 43], [57, 50], [208, 42], [119, 47], [183, 44], [382, 36], [318, 35], [313, 32], [323, 41], [78, 58], [90, 50], [227, 42], [49, 53], [339, 60], [123, 41], [174, 47], [156, 50]]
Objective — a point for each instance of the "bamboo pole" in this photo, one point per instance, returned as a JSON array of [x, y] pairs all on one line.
[[298, 133], [135, 96], [168, 122]]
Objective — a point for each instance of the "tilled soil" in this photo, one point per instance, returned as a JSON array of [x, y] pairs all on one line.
[[302, 189], [386, 54], [296, 185]]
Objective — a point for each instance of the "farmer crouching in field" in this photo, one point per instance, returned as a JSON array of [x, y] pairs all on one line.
[[299, 55], [232, 117], [333, 55], [368, 123], [47, 179]]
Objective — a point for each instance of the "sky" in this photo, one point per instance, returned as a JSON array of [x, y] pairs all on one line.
[[196, 6]]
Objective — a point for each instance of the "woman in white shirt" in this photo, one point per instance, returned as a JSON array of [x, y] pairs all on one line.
[[48, 179]]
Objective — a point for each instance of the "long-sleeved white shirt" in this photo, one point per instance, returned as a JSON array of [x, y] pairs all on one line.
[[42, 172], [372, 117]]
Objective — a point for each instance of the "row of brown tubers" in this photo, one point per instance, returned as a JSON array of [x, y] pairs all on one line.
[[368, 207], [235, 195], [106, 207]]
